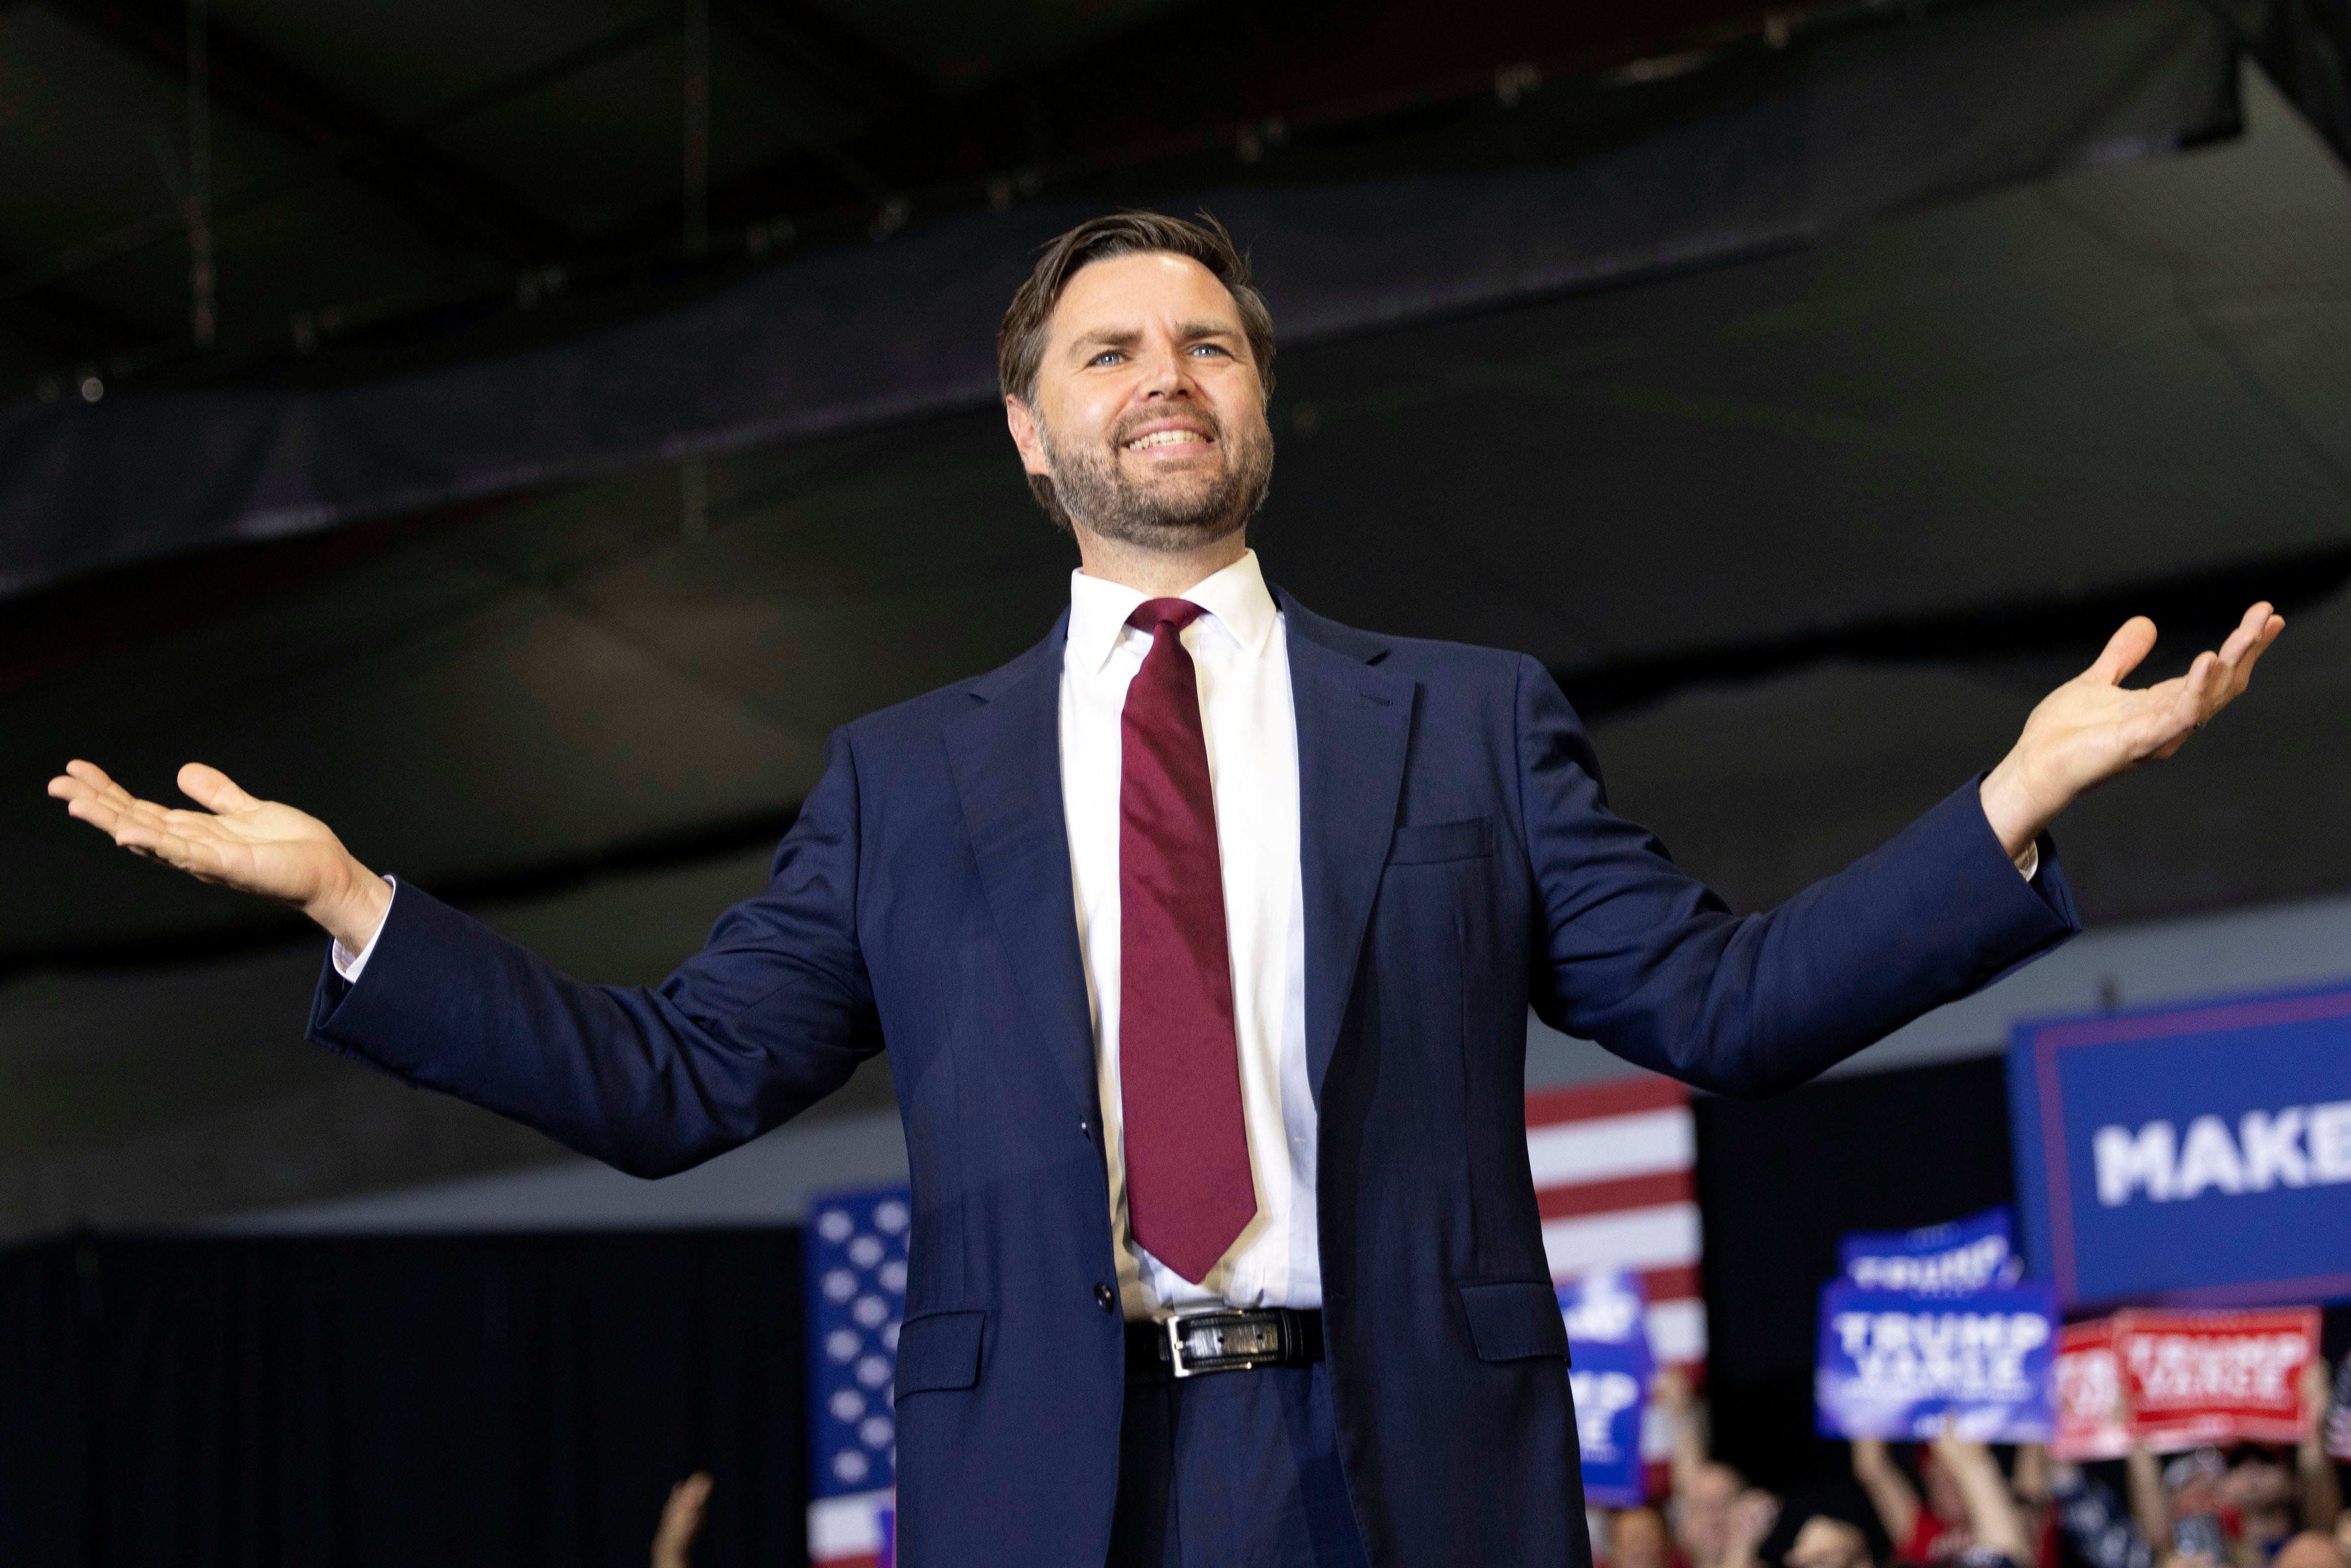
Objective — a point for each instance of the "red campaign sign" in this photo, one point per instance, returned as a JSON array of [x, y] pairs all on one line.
[[2091, 1421], [2174, 1380]]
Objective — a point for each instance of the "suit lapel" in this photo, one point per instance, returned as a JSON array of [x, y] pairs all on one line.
[[1006, 756], [1354, 722]]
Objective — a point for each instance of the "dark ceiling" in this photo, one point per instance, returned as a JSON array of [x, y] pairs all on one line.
[[437, 179]]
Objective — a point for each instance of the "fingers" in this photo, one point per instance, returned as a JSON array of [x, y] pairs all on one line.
[[2216, 680], [2130, 643], [214, 789], [181, 839]]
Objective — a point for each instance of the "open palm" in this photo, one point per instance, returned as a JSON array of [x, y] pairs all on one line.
[[2094, 727], [254, 846]]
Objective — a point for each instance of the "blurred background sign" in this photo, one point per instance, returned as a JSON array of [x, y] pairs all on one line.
[[1898, 1364], [2172, 1381], [2192, 1155], [1609, 1369]]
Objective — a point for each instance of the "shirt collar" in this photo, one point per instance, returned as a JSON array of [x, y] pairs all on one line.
[[1236, 598]]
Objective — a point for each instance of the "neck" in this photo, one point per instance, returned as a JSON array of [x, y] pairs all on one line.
[[1158, 574]]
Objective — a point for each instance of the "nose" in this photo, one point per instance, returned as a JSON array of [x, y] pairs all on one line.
[[1166, 373]]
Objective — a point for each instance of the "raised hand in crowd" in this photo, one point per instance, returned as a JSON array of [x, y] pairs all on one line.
[[2321, 1483], [1826, 1541], [681, 1522], [1994, 1521], [1747, 1523], [235, 841], [1889, 1490]]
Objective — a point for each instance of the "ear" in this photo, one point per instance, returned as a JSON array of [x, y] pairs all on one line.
[[1026, 436]]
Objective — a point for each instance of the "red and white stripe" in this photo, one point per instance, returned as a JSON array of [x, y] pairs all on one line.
[[846, 1532], [1615, 1167]]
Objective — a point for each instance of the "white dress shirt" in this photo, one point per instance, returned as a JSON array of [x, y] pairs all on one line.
[[1241, 658]]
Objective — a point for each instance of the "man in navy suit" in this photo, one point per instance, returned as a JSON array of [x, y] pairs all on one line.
[[1203, 936]]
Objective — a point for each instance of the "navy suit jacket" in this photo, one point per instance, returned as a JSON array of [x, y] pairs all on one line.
[[1460, 864]]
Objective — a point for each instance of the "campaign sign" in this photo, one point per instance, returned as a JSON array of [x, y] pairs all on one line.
[[1966, 1255], [2092, 1422], [2191, 1378], [2178, 1380], [1893, 1364], [1609, 1368], [2193, 1155]]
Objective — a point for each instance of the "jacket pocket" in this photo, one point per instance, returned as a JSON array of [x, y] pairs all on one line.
[[939, 1350], [1424, 843], [1514, 1320]]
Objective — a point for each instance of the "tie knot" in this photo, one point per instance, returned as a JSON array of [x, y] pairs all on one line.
[[1153, 613]]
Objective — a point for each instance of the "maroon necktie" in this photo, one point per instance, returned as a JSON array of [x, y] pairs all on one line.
[[1188, 1191]]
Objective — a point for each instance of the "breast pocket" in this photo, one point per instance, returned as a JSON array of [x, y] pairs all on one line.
[[1429, 843]]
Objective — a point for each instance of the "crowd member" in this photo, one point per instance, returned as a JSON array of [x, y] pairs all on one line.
[[2201, 1509], [1636, 1538], [681, 1522], [1704, 1489], [1747, 1523], [1827, 1524], [1926, 1524], [2312, 1549], [1998, 1533], [2095, 1520]]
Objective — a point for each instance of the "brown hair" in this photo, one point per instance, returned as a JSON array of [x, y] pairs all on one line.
[[1021, 345]]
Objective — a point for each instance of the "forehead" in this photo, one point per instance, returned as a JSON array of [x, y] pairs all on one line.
[[1135, 289]]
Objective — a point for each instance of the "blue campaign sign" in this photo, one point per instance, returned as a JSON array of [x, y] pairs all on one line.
[[1973, 1254], [2193, 1155], [1896, 1364], [1609, 1368]]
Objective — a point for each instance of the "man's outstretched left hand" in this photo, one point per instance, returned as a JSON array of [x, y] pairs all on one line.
[[2094, 727]]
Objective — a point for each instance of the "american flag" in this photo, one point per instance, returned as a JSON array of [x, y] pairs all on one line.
[[1614, 1166], [854, 1257]]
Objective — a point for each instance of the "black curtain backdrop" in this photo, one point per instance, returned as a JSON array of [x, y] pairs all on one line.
[[1779, 1181], [505, 1400]]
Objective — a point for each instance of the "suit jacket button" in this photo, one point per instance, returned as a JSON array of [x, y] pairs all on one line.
[[1105, 1297]]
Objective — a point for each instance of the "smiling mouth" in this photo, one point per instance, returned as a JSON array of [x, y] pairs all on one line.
[[1167, 438]]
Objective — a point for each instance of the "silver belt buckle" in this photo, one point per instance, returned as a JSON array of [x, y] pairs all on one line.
[[1255, 1356]]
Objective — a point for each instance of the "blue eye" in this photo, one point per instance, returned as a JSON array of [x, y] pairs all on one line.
[[1107, 355]]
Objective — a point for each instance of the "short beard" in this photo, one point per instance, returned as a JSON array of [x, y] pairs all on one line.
[[1088, 490]]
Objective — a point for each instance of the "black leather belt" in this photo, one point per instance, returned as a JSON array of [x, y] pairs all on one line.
[[1233, 1339]]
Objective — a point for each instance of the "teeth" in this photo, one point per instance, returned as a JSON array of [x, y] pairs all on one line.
[[1164, 438]]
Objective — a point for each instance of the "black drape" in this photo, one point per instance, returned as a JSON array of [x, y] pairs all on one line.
[[504, 1400], [1778, 1182]]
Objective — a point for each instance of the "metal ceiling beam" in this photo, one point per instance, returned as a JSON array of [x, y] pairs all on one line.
[[447, 199]]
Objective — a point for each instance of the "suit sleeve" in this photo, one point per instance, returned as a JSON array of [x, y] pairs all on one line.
[[772, 1015], [1648, 961]]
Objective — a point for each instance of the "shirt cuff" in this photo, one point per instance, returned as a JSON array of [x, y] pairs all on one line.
[[2030, 868], [349, 963]]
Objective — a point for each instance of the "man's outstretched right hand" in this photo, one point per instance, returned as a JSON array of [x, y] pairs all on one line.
[[254, 846]]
